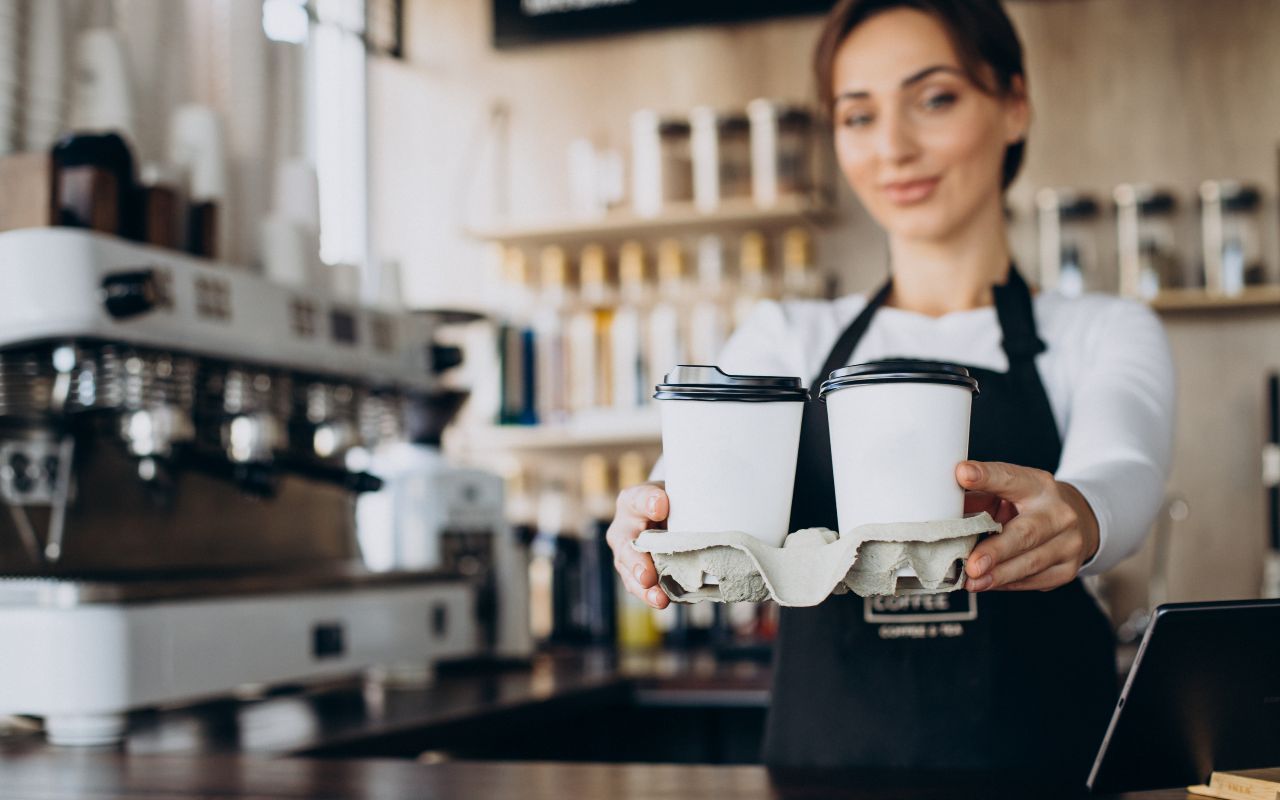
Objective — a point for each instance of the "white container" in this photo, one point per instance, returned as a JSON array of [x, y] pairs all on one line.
[[898, 430], [729, 446]]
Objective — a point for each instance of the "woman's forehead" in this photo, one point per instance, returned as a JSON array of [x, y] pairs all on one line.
[[889, 48]]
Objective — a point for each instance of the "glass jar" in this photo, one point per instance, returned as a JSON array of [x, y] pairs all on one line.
[[1069, 259], [1146, 240], [1231, 236]]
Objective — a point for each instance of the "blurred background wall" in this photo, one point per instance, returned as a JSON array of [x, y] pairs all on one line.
[[1164, 91]]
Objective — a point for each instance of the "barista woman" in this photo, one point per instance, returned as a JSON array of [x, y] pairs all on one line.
[[1070, 440]]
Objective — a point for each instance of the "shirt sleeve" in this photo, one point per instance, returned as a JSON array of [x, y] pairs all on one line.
[[1119, 439], [763, 344]]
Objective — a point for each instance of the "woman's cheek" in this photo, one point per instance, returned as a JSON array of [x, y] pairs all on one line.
[[859, 169]]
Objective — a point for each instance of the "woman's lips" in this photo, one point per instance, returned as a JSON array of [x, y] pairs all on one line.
[[905, 193]]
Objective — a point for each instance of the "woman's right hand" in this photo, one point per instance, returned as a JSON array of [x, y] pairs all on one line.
[[639, 509]]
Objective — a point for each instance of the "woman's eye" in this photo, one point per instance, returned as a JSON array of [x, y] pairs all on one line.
[[857, 120], [939, 101]]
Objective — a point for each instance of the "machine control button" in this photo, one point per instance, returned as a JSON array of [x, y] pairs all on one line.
[[439, 619], [445, 357], [128, 294], [327, 640]]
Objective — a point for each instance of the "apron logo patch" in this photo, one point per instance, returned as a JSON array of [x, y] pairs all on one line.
[[921, 616]]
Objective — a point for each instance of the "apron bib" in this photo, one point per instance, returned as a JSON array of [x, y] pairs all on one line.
[[1009, 681]]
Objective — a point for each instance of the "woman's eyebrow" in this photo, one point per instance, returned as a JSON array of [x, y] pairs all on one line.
[[914, 77]]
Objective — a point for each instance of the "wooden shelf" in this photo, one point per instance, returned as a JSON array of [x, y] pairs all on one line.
[[1180, 300], [677, 220], [594, 430]]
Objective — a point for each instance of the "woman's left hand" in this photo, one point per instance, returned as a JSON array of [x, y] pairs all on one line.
[[1049, 530]]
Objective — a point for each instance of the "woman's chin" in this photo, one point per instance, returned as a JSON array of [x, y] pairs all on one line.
[[919, 224]]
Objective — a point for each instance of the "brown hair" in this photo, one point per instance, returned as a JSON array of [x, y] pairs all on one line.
[[980, 31]]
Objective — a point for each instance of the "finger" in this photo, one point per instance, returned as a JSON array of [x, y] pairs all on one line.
[[1022, 534], [1006, 512], [635, 565], [1011, 482], [1052, 578], [652, 595], [976, 502], [657, 598], [1028, 564], [649, 502]]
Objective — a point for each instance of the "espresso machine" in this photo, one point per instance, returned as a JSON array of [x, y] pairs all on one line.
[[182, 444]]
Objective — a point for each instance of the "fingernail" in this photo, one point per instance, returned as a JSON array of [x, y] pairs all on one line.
[[983, 564], [653, 595], [970, 473], [978, 584], [652, 505], [638, 572]]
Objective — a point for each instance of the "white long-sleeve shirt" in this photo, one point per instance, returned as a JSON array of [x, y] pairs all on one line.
[[1107, 370]]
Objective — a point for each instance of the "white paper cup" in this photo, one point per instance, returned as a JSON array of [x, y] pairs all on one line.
[[729, 447], [898, 430]]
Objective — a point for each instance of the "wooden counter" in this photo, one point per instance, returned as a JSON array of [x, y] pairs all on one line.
[[70, 775], [557, 716], [380, 719]]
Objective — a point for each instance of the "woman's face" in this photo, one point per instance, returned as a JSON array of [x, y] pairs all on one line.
[[919, 143]]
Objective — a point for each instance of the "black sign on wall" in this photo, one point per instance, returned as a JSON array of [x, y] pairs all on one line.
[[524, 22]]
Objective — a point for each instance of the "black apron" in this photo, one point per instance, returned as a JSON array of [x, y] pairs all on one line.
[[1018, 682]]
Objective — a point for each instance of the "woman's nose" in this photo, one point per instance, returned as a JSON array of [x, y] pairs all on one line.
[[896, 141]]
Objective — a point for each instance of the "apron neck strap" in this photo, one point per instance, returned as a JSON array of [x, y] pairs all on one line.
[[842, 352], [1017, 318], [1013, 308]]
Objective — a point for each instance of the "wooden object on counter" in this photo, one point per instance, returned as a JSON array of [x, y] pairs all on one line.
[[1253, 784], [38, 194], [160, 208], [88, 197], [202, 229], [28, 197]]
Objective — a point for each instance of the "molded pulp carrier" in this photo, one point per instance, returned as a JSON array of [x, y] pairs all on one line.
[[815, 563]]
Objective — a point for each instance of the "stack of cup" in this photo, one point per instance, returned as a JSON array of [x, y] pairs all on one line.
[[45, 109], [898, 430], [729, 446], [10, 54]]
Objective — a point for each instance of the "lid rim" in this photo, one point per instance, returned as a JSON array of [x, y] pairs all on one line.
[[898, 371], [732, 397]]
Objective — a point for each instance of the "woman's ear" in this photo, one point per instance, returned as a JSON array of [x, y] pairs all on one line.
[[1017, 111]]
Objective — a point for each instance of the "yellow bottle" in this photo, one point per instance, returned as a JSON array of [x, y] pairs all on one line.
[[590, 355], [800, 277], [550, 367], [630, 374], [669, 317], [753, 276]]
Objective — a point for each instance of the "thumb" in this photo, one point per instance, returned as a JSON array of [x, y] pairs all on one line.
[[1008, 481], [650, 502]]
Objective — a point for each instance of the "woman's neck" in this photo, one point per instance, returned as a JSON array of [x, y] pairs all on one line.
[[953, 274]]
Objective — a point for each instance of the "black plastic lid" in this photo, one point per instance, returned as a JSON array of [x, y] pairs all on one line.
[[1158, 203], [898, 370], [695, 382]]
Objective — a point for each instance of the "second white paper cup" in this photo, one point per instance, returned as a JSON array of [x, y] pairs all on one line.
[[729, 445], [898, 430]]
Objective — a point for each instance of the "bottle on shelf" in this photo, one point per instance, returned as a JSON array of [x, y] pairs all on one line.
[[800, 277], [637, 621], [551, 372], [630, 376], [589, 351], [753, 275], [709, 316], [599, 577], [518, 405], [670, 313], [558, 569]]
